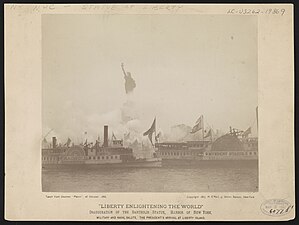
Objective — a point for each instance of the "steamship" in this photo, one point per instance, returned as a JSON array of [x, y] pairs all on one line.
[[115, 155], [226, 148], [234, 146]]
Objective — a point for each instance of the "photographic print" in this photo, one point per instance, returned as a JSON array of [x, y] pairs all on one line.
[[149, 103], [149, 112]]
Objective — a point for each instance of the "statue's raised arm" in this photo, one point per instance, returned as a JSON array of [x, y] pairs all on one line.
[[129, 81], [123, 69]]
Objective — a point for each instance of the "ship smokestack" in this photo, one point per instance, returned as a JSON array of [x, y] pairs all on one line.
[[105, 136], [54, 142]]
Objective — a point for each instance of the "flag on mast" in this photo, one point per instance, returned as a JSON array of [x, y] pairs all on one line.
[[68, 142], [198, 126], [157, 137], [85, 143], [150, 131], [209, 134], [45, 141], [199, 119], [247, 132]]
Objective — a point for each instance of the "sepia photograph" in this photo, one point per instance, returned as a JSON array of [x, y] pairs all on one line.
[[149, 112], [149, 103]]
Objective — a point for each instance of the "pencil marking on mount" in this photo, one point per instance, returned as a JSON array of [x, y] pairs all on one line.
[[276, 207]]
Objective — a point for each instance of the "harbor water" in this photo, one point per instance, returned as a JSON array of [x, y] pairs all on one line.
[[205, 176]]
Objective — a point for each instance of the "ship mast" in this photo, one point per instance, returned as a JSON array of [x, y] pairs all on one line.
[[48, 133], [156, 139], [257, 119], [203, 131]]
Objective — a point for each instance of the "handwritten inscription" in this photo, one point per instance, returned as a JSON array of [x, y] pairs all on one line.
[[170, 8], [167, 8], [270, 11], [276, 207], [98, 7]]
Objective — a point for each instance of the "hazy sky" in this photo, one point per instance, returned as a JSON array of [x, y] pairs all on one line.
[[183, 65]]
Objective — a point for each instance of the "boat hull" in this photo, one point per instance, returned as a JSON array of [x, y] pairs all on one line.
[[132, 164], [209, 163]]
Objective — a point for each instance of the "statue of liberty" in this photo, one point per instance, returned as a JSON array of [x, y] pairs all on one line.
[[129, 81]]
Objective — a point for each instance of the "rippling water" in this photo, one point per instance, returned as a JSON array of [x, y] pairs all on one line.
[[207, 177]]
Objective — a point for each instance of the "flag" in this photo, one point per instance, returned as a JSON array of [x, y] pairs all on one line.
[[247, 132], [113, 136], [198, 126], [157, 136], [209, 134], [68, 142], [45, 143], [150, 131], [199, 120], [85, 143]]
